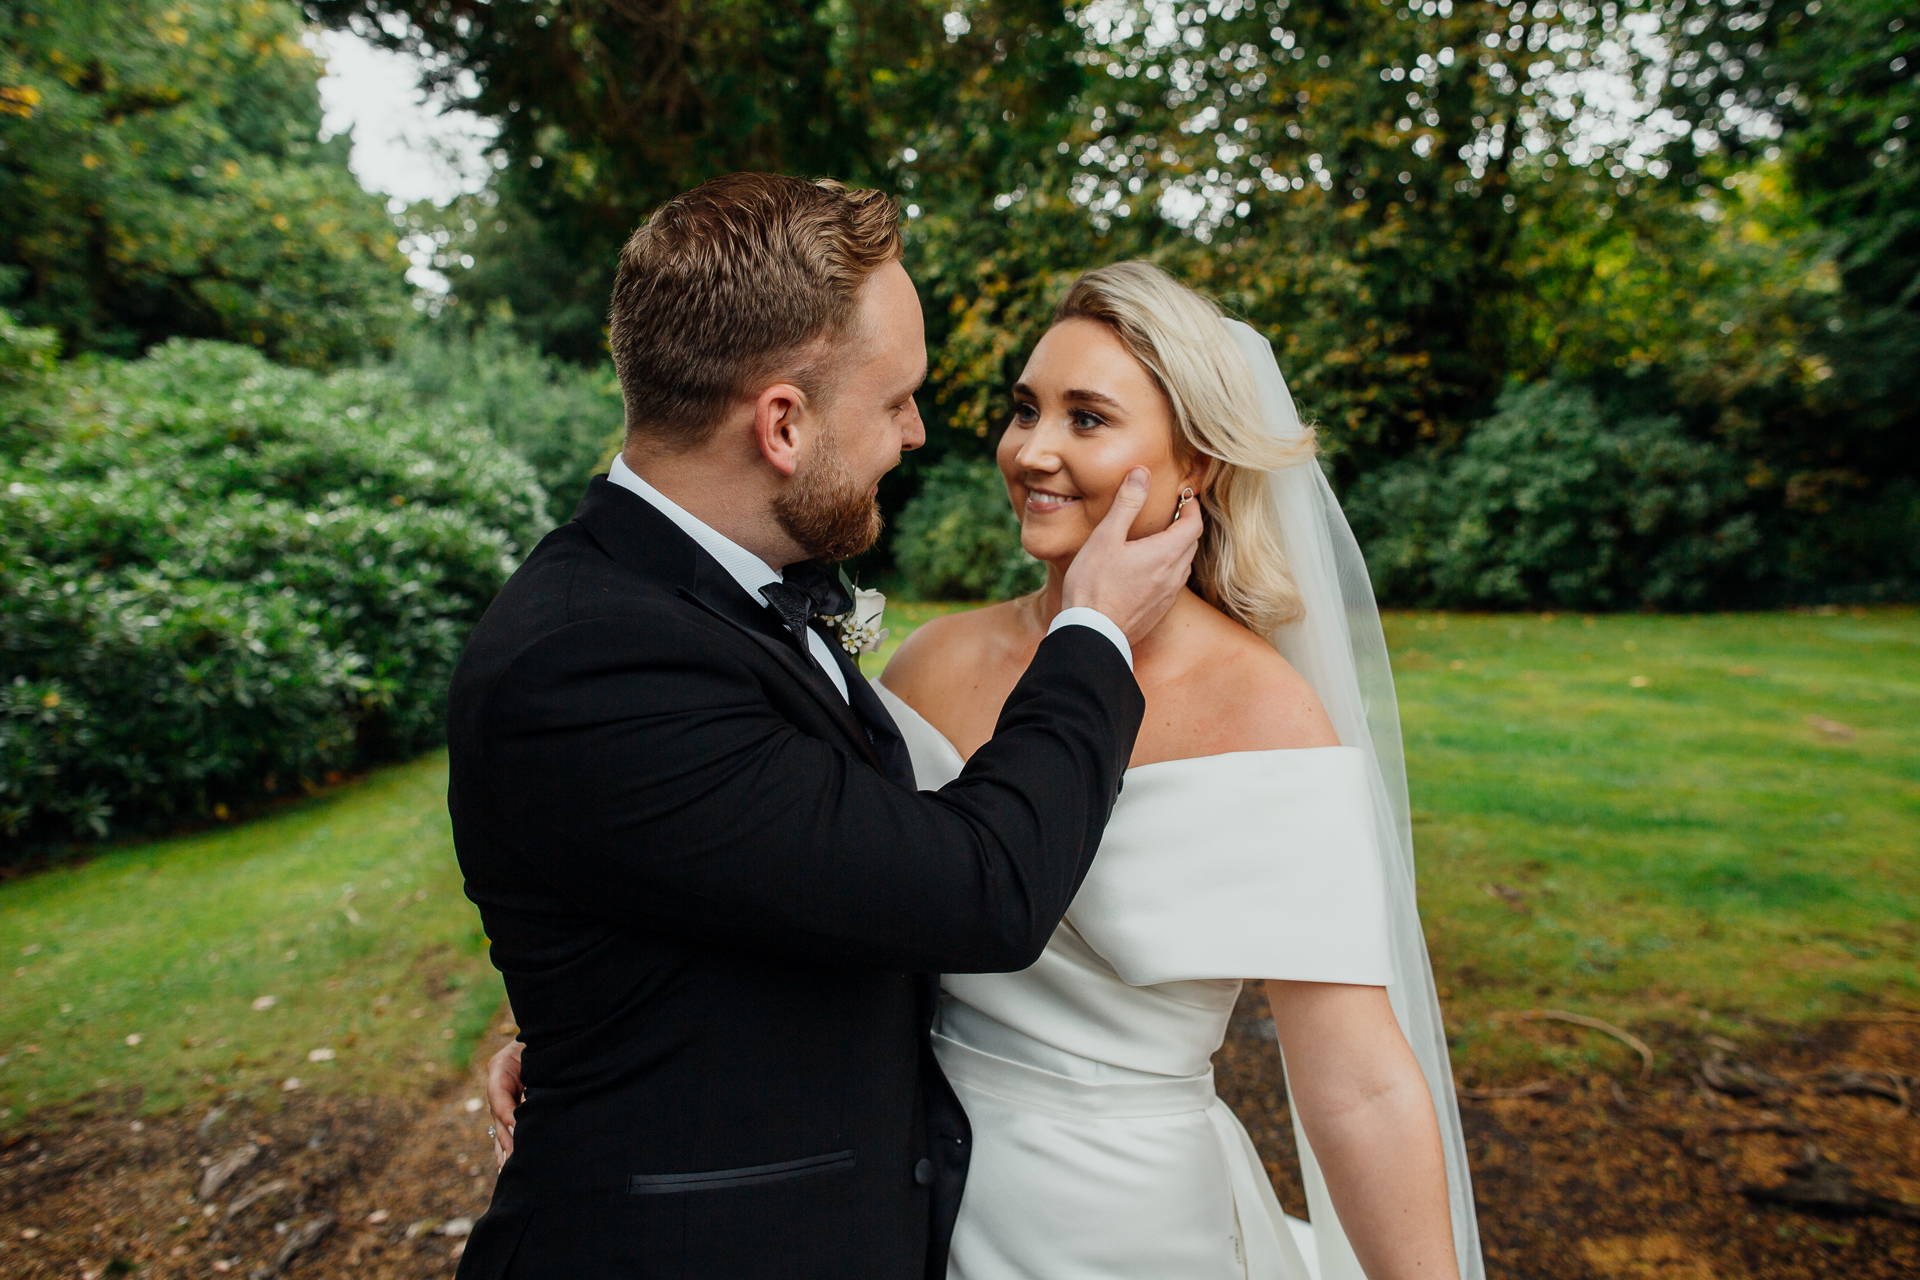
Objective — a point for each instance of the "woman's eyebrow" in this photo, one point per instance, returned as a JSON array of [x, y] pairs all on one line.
[[1075, 397], [1091, 397]]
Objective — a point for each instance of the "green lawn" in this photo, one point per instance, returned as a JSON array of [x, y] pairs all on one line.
[[1649, 819], [1658, 819], [346, 910]]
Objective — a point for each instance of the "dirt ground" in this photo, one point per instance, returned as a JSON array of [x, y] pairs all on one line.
[[1668, 1178], [1678, 1177]]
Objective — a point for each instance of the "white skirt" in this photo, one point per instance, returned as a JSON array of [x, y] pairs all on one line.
[[1144, 1177]]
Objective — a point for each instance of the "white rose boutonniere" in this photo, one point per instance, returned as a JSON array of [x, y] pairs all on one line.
[[860, 630]]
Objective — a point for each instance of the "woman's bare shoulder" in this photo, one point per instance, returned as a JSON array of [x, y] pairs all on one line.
[[1255, 698], [942, 648]]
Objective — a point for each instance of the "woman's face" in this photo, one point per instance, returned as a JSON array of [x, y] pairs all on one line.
[[1086, 413]]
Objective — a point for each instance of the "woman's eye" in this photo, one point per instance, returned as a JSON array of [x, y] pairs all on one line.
[[1085, 420], [1024, 413]]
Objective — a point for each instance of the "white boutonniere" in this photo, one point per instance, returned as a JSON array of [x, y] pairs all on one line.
[[860, 630]]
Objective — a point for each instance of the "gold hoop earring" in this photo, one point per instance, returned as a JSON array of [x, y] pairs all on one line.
[[1186, 496]]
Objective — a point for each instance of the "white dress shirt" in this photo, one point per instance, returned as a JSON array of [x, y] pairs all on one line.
[[753, 573]]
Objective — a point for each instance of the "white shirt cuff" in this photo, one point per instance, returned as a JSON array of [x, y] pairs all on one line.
[[1085, 617]]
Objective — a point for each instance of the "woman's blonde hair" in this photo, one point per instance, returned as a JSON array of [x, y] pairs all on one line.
[[1180, 338]]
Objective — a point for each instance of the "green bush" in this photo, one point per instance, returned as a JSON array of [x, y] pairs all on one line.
[[219, 578], [958, 539], [562, 418], [1549, 503]]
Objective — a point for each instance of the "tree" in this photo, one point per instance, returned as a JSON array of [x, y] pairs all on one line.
[[607, 108], [160, 176]]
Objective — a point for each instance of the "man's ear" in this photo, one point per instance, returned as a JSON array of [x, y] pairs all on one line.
[[779, 413]]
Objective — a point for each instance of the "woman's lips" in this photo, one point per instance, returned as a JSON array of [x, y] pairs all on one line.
[[1040, 502]]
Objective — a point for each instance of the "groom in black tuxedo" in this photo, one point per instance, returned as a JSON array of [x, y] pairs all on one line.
[[719, 903]]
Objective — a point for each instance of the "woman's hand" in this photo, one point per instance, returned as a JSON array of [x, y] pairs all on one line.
[[1365, 1108], [503, 1096]]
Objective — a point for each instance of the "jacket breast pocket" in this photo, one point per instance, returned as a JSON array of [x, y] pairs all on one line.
[[661, 1184]]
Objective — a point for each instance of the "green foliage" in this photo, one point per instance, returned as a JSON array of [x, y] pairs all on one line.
[[563, 418], [159, 176], [958, 539], [1815, 104], [219, 577], [1549, 502]]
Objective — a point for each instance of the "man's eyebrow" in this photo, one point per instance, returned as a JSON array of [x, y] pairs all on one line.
[[917, 383]]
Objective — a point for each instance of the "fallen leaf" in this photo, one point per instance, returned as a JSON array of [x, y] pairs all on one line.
[[1507, 894], [1833, 730], [377, 1217], [134, 1039], [263, 1003], [221, 1171], [321, 1055], [290, 1084]]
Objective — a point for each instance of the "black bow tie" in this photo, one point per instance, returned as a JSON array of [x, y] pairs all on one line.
[[808, 592]]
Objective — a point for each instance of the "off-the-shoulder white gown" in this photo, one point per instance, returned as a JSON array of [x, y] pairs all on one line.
[[1100, 1149]]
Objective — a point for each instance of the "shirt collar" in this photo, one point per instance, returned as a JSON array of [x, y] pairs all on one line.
[[747, 569]]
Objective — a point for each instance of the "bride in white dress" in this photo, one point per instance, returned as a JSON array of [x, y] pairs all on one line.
[[1262, 831]]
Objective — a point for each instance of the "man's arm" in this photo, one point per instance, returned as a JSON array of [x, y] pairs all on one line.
[[657, 790]]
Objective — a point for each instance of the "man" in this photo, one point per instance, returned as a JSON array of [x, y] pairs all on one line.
[[691, 829]]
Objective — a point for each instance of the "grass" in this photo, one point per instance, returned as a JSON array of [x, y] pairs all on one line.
[[1712, 819], [1649, 819], [346, 910]]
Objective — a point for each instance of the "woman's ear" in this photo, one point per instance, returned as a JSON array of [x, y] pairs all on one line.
[[1200, 474]]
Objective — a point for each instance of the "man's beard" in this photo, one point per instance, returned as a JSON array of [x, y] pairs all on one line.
[[825, 511]]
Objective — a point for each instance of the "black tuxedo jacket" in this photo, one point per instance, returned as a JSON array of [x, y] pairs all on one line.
[[719, 905]]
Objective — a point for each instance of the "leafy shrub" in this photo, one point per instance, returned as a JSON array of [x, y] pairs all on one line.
[[219, 578], [562, 418], [959, 540], [1547, 502]]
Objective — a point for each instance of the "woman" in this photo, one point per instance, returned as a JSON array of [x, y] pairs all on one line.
[[1248, 840]]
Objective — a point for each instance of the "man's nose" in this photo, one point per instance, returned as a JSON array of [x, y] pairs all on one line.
[[914, 433]]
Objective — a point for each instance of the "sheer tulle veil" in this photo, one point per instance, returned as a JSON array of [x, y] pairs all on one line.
[[1338, 646]]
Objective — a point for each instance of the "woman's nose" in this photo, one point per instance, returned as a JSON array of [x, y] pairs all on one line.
[[1039, 451]]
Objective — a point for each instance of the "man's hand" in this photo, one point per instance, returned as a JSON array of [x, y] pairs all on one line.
[[503, 1095], [1133, 583]]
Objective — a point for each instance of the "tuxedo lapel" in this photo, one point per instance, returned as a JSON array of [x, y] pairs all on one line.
[[888, 744], [641, 539]]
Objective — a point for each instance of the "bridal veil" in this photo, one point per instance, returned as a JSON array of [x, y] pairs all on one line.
[[1338, 646]]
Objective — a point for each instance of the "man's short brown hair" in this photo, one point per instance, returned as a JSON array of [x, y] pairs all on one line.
[[732, 283]]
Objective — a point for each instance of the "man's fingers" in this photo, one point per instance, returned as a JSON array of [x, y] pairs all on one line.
[[1133, 490], [1183, 535], [1127, 501], [503, 1085]]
